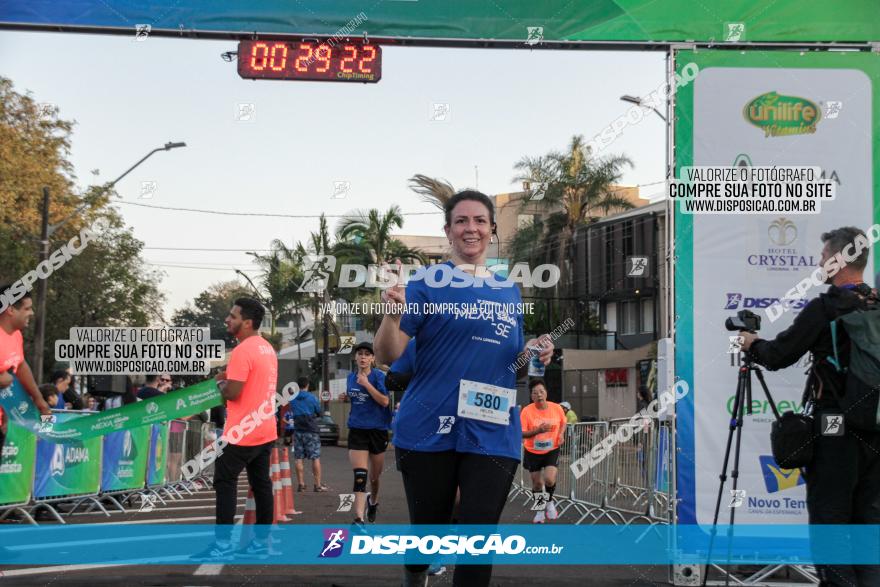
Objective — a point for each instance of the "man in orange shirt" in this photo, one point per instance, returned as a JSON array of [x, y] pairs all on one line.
[[248, 386], [13, 319], [543, 426]]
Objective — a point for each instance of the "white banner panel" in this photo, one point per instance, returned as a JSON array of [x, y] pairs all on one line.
[[745, 261]]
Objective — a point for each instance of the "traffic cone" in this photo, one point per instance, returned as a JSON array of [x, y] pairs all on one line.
[[287, 484], [277, 491], [250, 518]]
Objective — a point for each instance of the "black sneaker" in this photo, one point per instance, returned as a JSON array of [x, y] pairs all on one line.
[[215, 552], [254, 549], [371, 509]]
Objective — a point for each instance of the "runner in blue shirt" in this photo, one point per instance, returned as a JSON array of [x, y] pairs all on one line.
[[459, 425], [368, 425], [303, 416]]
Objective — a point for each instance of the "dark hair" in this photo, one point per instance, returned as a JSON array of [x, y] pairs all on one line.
[[303, 382], [6, 286], [47, 390], [839, 238], [58, 376], [536, 382], [251, 310], [473, 196], [151, 378]]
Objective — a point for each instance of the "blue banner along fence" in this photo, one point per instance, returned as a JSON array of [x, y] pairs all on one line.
[[36, 473]]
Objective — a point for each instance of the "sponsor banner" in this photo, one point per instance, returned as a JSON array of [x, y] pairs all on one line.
[[757, 110], [125, 459], [177, 404], [531, 23], [158, 454], [17, 466], [556, 544], [71, 468]]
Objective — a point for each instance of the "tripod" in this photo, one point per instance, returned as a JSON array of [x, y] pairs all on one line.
[[742, 406]]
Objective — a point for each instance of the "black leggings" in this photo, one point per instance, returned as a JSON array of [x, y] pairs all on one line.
[[430, 480]]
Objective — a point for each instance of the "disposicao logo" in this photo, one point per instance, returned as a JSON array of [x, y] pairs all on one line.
[[334, 541], [735, 299], [778, 479], [779, 115]]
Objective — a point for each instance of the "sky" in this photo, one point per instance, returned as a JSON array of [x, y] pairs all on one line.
[[129, 97]]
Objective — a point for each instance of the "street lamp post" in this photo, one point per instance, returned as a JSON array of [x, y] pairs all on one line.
[[668, 166], [46, 232], [639, 102]]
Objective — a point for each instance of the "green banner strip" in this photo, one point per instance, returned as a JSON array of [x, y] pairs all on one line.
[[525, 21], [178, 404], [17, 466]]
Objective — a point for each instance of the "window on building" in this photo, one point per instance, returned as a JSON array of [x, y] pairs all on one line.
[[524, 220], [609, 257], [628, 317], [628, 238], [647, 315]]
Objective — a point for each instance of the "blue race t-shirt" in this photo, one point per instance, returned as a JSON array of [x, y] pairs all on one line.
[[365, 412], [406, 362], [304, 412], [480, 342]]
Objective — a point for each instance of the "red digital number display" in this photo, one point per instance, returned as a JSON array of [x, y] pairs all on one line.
[[309, 60]]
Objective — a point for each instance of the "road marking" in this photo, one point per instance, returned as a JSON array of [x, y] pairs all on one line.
[[70, 568], [159, 509], [42, 545], [208, 570], [214, 569], [169, 520]]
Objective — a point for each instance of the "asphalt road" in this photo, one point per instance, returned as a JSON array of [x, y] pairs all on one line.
[[317, 508]]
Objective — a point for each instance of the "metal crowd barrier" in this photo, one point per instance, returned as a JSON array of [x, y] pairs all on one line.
[[633, 483]]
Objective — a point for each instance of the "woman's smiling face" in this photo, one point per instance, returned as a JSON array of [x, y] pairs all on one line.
[[469, 230]]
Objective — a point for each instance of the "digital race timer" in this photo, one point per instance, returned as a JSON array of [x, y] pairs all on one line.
[[310, 60]]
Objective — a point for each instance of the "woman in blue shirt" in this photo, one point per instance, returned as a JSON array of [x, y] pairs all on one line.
[[368, 425], [458, 427]]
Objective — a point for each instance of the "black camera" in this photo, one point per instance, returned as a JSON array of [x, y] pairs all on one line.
[[744, 320]]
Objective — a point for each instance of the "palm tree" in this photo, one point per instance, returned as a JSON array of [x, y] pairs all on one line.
[[575, 188], [370, 233], [366, 237], [276, 287]]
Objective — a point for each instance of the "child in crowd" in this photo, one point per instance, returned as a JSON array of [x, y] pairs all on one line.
[[49, 393]]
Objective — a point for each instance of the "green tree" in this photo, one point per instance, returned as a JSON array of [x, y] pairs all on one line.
[[575, 187], [366, 238], [210, 308], [279, 282], [107, 284]]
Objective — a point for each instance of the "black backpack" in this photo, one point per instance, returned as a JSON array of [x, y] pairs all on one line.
[[860, 398]]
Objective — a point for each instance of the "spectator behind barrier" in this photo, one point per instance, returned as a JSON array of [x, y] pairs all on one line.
[[61, 381], [49, 393], [150, 388]]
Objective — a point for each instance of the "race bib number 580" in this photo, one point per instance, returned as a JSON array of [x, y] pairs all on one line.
[[488, 403]]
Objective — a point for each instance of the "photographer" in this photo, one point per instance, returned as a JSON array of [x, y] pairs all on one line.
[[843, 477]]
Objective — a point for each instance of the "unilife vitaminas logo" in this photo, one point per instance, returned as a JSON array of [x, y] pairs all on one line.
[[779, 115]]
